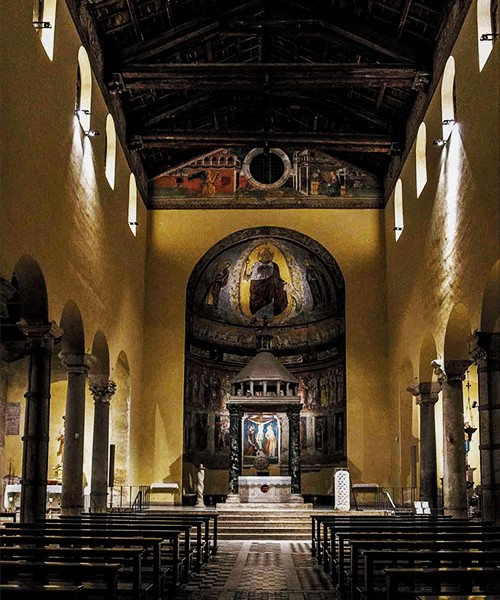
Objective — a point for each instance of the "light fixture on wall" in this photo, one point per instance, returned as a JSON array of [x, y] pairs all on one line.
[[82, 111], [135, 223], [488, 37], [92, 133], [42, 24], [439, 142], [449, 122]]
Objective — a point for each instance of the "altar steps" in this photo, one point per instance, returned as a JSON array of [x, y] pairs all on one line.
[[261, 524]]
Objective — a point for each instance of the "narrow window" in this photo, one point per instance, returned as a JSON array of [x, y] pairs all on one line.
[[421, 158], [398, 210], [110, 151], [132, 205], [448, 98], [44, 21], [83, 89], [486, 28]]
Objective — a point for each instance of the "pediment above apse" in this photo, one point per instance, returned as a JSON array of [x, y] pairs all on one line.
[[267, 277], [266, 178]]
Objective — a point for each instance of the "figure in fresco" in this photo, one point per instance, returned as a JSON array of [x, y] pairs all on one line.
[[221, 433], [315, 184], [270, 441], [220, 277], [208, 188], [268, 296], [251, 449], [332, 183], [214, 390], [317, 284], [323, 390]]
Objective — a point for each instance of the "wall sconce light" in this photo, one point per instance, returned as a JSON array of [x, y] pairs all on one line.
[[449, 122], [397, 229], [439, 142], [92, 133], [42, 25], [133, 223], [488, 37], [82, 111]]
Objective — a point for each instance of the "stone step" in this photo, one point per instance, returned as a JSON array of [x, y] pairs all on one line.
[[275, 536]]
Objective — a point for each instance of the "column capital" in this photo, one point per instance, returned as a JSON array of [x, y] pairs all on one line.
[[234, 409], [293, 409], [40, 335], [425, 392], [102, 392], [455, 369], [77, 363], [485, 349]]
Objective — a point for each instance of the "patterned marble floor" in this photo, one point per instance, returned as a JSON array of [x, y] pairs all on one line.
[[260, 571]]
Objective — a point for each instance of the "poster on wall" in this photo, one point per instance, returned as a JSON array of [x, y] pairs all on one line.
[[12, 418], [261, 434]]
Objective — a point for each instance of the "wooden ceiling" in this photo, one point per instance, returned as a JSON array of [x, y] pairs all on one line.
[[350, 77]]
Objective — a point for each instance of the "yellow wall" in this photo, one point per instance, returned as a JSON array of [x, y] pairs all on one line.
[[57, 205], [178, 239], [451, 238]]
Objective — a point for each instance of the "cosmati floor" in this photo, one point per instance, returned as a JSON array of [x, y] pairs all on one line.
[[255, 570]]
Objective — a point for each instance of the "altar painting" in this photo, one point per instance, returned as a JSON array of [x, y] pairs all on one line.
[[261, 434]]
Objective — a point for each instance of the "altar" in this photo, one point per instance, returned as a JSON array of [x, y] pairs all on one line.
[[264, 489]]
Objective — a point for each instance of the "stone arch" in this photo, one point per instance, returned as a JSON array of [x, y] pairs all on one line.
[[490, 310], [73, 339], [428, 353], [308, 330], [28, 279], [458, 334], [100, 351], [120, 420]]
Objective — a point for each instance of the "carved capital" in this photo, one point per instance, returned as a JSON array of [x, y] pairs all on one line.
[[77, 363], [40, 335], [438, 366], [293, 410], [485, 349], [234, 409], [102, 392], [455, 369], [429, 391], [414, 388]]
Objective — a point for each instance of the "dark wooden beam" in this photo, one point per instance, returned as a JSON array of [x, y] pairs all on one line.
[[270, 75], [203, 138], [404, 16], [135, 20], [167, 112]]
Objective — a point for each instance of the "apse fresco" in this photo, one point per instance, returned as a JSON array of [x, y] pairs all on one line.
[[275, 279], [235, 176]]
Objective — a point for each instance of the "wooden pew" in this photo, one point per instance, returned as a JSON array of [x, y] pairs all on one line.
[[340, 551], [129, 558], [375, 563], [150, 545], [487, 579], [14, 571], [22, 591], [170, 547]]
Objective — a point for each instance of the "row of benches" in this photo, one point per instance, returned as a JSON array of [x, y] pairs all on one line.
[[396, 557], [137, 554]]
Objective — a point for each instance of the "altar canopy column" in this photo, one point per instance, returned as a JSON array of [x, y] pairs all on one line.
[[293, 414], [77, 367], [235, 416], [454, 483], [426, 394], [102, 392], [486, 353], [36, 427]]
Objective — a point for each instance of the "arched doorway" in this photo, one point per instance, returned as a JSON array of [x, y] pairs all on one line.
[[293, 283]]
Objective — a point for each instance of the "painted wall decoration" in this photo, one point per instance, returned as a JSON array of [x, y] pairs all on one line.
[[261, 433], [241, 177], [12, 418], [275, 278]]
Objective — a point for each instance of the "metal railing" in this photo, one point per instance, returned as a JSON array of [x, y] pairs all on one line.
[[121, 498]]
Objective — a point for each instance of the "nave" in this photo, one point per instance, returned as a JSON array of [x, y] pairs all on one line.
[[260, 570]]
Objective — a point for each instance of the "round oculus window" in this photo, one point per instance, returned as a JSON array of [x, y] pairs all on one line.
[[266, 169]]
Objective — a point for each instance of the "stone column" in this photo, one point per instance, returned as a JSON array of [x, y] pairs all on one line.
[[235, 416], [426, 394], [77, 367], [37, 418], [486, 353], [454, 485], [102, 391], [293, 414]]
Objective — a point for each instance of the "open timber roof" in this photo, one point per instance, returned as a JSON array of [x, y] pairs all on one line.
[[349, 77]]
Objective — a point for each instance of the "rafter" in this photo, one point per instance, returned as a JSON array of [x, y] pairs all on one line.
[[336, 141], [268, 75]]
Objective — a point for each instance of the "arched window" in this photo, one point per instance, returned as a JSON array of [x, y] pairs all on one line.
[[83, 89], [448, 98], [398, 210], [421, 158], [132, 205], [44, 21], [486, 28], [110, 151]]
